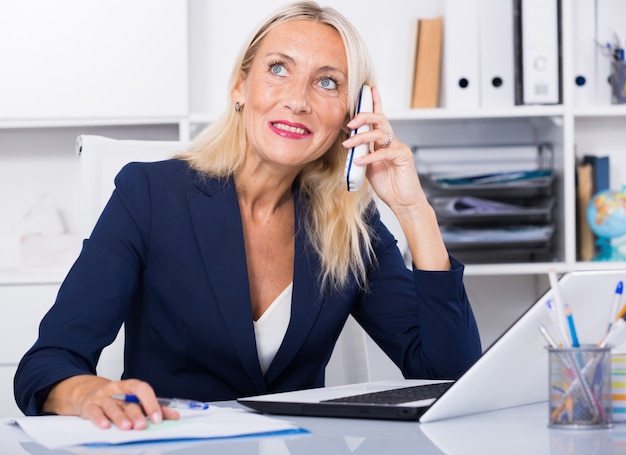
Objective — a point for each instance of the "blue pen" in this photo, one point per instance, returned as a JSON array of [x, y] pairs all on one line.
[[572, 327], [559, 307], [169, 402], [555, 321], [617, 296]]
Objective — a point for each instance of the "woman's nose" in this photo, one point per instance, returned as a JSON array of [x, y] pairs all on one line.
[[297, 98]]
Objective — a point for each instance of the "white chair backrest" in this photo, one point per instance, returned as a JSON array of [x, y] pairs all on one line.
[[101, 158]]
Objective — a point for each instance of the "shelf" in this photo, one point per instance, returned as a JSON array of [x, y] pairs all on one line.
[[20, 277], [477, 114], [444, 114], [78, 122], [539, 268], [600, 111], [429, 115], [17, 277], [599, 265], [535, 268], [200, 117]]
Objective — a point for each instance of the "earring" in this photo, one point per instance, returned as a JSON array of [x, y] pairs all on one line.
[[238, 106]]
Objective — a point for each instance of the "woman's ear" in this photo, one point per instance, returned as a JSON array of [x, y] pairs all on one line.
[[237, 94]]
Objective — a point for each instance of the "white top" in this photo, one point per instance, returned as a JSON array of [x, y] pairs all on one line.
[[271, 327]]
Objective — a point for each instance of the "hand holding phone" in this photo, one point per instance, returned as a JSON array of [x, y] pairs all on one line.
[[356, 174]]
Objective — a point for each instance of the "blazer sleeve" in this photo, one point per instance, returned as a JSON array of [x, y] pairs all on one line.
[[93, 299], [422, 320]]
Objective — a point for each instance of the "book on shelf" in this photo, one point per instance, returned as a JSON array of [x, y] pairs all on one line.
[[426, 78], [584, 191], [592, 177], [600, 166]]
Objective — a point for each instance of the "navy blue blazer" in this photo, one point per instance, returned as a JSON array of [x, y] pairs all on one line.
[[167, 259]]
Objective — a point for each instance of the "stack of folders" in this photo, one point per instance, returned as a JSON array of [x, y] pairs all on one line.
[[499, 54], [503, 216]]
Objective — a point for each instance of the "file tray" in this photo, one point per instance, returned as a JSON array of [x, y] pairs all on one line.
[[470, 210], [513, 237], [537, 184], [519, 255], [498, 245], [486, 170]]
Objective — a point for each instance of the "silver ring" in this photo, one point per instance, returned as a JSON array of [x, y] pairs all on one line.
[[386, 144]]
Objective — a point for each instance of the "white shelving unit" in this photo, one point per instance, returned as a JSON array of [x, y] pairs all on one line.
[[37, 152]]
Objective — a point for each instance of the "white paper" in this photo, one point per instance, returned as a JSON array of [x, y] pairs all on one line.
[[54, 432]]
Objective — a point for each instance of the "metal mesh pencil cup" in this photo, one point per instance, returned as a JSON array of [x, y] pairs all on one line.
[[580, 387]]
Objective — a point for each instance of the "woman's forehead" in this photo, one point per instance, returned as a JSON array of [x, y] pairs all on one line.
[[315, 38]]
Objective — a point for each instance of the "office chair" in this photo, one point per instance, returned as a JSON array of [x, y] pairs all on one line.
[[356, 357], [101, 158]]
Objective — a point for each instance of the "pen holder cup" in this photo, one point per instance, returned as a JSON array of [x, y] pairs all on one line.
[[618, 81], [580, 387]]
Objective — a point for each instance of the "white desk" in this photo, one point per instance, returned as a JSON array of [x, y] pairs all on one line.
[[519, 430]]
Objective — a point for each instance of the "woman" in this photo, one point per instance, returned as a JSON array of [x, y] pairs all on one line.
[[235, 266]]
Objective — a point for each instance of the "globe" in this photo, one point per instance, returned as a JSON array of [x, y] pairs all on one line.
[[606, 215]]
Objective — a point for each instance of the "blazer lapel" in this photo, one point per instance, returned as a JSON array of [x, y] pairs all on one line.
[[215, 215], [217, 224], [306, 301]]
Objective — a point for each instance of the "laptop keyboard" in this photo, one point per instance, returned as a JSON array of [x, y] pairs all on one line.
[[396, 396]]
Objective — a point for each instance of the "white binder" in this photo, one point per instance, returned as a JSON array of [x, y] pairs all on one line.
[[540, 52], [497, 82], [583, 77], [461, 85]]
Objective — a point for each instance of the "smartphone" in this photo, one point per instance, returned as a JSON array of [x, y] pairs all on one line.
[[354, 174]]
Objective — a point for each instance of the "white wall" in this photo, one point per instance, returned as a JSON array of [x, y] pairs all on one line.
[[388, 30], [101, 58]]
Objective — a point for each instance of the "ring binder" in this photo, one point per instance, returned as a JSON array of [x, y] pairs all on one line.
[[538, 51]]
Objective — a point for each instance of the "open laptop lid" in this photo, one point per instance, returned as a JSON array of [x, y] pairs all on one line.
[[512, 372]]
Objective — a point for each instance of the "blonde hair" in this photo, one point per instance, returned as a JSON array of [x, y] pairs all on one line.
[[336, 220]]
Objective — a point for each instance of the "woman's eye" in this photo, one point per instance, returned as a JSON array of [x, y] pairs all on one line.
[[328, 83], [278, 69]]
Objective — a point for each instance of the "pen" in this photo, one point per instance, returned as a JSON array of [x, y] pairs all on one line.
[[572, 327], [169, 402], [617, 335], [547, 336], [621, 313], [558, 303], [555, 322], [617, 296]]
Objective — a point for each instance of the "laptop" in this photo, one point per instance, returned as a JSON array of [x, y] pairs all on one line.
[[513, 371]]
